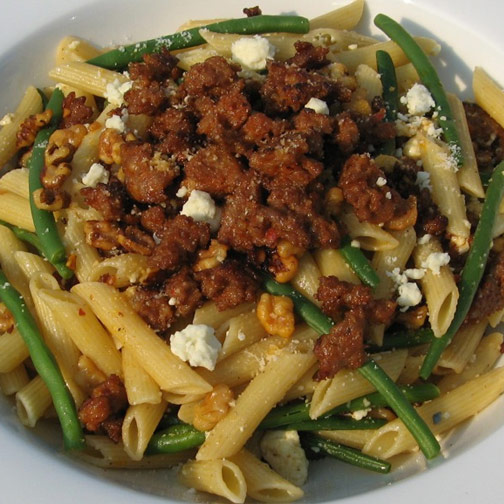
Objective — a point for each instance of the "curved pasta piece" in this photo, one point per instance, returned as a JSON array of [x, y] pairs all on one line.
[[455, 407], [153, 354], [370, 236], [440, 290], [219, 477], [264, 484], [139, 424], [347, 385]]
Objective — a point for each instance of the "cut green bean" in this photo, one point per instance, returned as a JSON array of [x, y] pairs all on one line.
[[45, 225], [402, 408], [336, 423], [473, 269], [314, 317], [175, 439], [119, 58], [311, 313], [359, 263], [429, 78], [403, 339], [386, 69], [299, 411], [346, 454], [22, 234], [45, 364]]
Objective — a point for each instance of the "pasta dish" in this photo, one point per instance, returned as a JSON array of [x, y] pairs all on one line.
[[249, 244]]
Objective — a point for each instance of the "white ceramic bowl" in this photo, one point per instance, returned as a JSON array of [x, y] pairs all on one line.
[[32, 467]]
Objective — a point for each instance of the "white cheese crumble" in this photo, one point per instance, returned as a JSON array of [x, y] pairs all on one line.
[[283, 452], [423, 180], [355, 243], [409, 295], [115, 92], [319, 106], [381, 181], [74, 44], [435, 261], [252, 52], [418, 100], [202, 208], [96, 174], [172, 301], [182, 192], [352, 47], [424, 239], [197, 345], [360, 414], [6, 119], [241, 336], [116, 122]]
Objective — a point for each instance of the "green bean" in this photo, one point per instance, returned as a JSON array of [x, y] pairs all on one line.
[[45, 225], [311, 313], [403, 339], [31, 238], [299, 411], [336, 423], [473, 269], [387, 72], [45, 365], [346, 454], [485, 178], [175, 439], [119, 58], [359, 263], [402, 408], [314, 317], [428, 76]]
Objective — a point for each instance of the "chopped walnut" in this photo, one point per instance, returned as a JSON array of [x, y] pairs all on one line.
[[109, 147], [29, 128], [212, 408], [212, 257], [276, 314]]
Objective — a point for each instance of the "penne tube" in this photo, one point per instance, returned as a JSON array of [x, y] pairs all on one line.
[[306, 280], [411, 372], [30, 104], [232, 432], [445, 189], [488, 95], [440, 414], [468, 174], [75, 244], [331, 262], [15, 210], [16, 182], [241, 331], [152, 353], [461, 349], [103, 452], [14, 380], [483, 359], [218, 477], [32, 401], [89, 78], [343, 18], [13, 351], [369, 236], [74, 49], [77, 320], [369, 79], [440, 290], [139, 424], [367, 55], [349, 384], [264, 484], [140, 387], [353, 438], [32, 264], [210, 315], [122, 270], [304, 386]]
